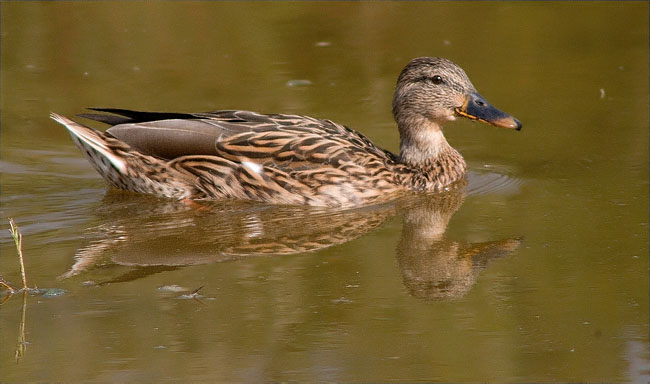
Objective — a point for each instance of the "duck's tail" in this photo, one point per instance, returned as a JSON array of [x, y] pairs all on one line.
[[124, 167]]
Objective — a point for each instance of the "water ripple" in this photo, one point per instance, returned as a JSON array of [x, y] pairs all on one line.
[[488, 183]]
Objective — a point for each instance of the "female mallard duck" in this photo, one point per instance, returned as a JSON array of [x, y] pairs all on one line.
[[290, 159]]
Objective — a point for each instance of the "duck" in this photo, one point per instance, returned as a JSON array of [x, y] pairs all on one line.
[[286, 158]]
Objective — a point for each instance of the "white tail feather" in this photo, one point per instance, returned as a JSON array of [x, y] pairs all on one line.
[[92, 139]]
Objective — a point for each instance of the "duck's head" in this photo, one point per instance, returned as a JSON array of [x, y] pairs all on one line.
[[433, 90]]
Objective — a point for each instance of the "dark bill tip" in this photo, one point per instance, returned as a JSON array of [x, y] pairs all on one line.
[[477, 108]]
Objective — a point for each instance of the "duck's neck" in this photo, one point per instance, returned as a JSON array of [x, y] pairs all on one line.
[[424, 149]]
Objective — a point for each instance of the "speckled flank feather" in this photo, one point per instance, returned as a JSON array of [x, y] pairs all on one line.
[[282, 159]]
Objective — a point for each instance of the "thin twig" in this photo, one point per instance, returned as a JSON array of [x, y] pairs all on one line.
[[10, 290], [18, 240], [5, 284], [194, 292]]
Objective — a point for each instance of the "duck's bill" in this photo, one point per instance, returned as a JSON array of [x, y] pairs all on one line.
[[477, 108]]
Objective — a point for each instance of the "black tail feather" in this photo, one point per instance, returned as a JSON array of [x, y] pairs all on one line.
[[124, 116], [107, 119]]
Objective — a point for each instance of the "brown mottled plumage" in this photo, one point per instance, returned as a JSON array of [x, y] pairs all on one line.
[[290, 159]]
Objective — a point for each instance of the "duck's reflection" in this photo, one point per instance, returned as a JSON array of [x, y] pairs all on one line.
[[140, 235]]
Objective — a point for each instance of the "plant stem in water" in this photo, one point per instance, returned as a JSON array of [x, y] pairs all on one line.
[[18, 240]]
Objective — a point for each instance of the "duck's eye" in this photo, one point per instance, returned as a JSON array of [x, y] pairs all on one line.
[[437, 79]]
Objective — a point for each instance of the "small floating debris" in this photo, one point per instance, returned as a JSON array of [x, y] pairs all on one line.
[[602, 93], [42, 292], [50, 292], [298, 83], [172, 288], [192, 295], [323, 44], [342, 300]]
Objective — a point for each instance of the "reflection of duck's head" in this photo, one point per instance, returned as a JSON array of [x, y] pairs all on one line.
[[434, 267], [447, 269]]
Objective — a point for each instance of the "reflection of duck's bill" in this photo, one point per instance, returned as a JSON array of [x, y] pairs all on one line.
[[477, 108]]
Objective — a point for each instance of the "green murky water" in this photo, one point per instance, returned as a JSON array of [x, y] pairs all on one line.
[[537, 272]]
